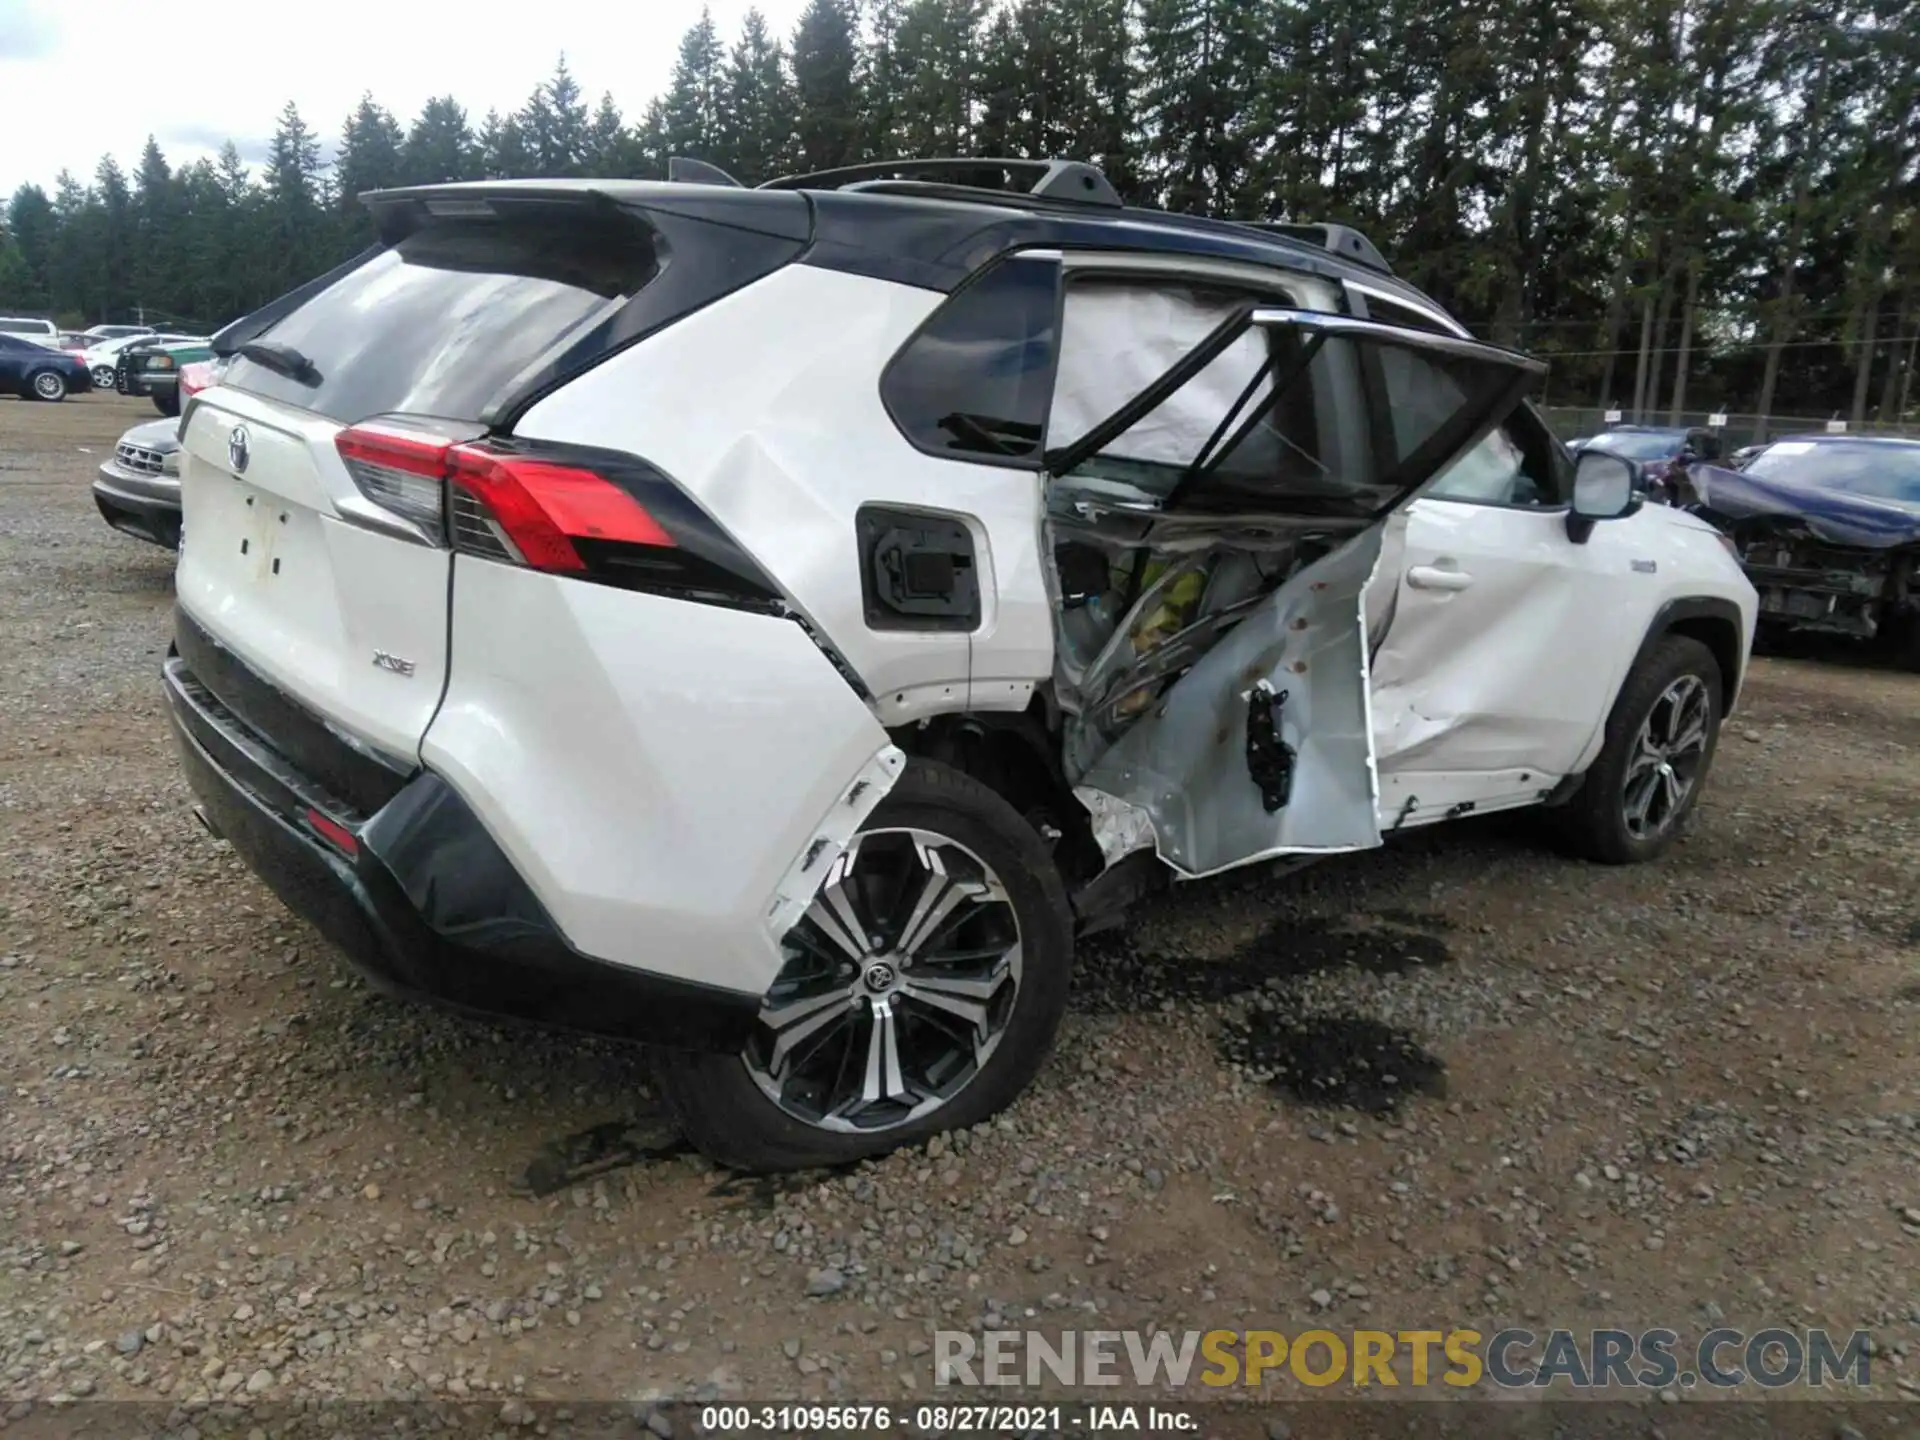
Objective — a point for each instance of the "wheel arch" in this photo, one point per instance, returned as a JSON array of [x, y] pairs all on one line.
[[1713, 621]]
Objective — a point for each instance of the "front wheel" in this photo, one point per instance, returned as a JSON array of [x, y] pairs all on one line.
[[49, 385], [920, 993], [103, 377], [1653, 765], [167, 402]]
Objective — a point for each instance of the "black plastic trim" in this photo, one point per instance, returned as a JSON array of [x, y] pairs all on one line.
[[1701, 607], [144, 517], [347, 768], [430, 907]]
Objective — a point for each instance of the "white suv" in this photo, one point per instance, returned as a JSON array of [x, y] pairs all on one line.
[[766, 623]]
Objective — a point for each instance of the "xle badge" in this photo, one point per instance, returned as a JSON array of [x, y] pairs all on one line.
[[383, 661]]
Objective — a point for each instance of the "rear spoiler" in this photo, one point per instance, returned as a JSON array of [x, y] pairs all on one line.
[[248, 327]]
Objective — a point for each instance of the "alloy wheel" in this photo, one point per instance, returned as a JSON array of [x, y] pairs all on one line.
[[899, 984], [103, 377], [1667, 758], [49, 386]]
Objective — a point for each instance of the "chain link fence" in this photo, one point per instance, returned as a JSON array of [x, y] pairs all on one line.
[[1573, 422]]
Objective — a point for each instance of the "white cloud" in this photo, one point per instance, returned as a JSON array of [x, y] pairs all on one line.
[[195, 72]]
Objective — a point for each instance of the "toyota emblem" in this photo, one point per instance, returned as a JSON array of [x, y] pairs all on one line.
[[237, 452]]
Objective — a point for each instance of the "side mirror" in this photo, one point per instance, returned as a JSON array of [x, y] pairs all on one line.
[[1603, 489]]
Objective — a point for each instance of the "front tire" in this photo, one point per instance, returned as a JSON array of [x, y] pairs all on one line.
[[167, 402], [103, 377], [49, 385], [1659, 747], [922, 990]]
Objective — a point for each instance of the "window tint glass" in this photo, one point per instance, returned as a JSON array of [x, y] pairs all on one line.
[[438, 324], [1518, 464], [973, 384]]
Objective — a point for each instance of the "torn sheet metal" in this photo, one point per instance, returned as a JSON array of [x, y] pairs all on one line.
[[1118, 827], [831, 837], [1184, 763]]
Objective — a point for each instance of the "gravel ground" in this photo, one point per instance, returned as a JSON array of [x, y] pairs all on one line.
[[1681, 1095]]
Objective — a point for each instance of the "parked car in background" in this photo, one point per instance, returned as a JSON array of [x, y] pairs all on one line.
[[102, 356], [97, 333], [41, 332], [1828, 529], [138, 490], [1660, 453], [773, 654], [35, 372], [152, 368]]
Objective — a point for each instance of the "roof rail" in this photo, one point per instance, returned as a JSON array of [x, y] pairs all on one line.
[[698, 172], [1073, 180], [1342, 240]]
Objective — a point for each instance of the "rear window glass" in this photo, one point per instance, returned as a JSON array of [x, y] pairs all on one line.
[[973, 383], [439, 324]]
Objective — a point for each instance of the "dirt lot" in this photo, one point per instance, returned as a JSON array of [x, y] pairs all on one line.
[[1679, 1095]]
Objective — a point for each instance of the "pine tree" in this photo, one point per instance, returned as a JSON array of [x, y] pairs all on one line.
[[938, 48], [292, 203], [369, 159], [1199, 62], [883, 85], [155, 208], [757, 116], [440, 145], [504, 152], [554, 123], [34, 230], [690, 114], [826, 94]]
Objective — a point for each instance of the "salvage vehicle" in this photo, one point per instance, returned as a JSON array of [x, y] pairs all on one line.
[[138, 490], [1828, 527], [775, 654]]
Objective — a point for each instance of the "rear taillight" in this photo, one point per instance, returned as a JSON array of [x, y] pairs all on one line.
[[195, 377], [523, 509], [534, 510], [567, 510], [403, 471]]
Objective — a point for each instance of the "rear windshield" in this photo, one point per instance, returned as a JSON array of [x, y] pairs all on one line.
[[440, 323]]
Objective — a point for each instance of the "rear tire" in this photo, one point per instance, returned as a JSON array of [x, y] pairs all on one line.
[[48, 385], [103, 377], [1660, 742], [826, 1087]]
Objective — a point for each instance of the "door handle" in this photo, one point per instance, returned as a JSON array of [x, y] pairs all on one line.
[[1432, 577]]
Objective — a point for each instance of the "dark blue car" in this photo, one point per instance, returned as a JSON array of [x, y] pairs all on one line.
[[33, 372], [1828, 529]]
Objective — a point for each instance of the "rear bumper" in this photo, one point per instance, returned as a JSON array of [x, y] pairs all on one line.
[[426, 905], [139, 505]]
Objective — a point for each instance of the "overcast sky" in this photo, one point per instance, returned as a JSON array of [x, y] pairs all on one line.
[[80, 78]]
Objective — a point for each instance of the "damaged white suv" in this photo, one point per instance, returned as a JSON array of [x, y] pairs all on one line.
[[766, 623]]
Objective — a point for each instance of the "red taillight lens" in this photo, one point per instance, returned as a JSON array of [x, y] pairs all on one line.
[[195, 377], [540, 508], [505, 506]]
